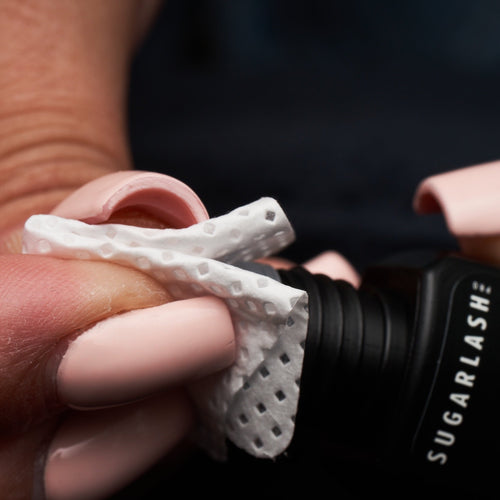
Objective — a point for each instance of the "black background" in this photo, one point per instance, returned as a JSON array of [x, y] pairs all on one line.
[[335, 108]]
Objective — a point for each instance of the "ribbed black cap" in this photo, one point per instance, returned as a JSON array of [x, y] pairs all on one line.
[[355, 353]]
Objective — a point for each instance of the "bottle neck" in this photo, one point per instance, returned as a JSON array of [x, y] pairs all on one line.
[[355, 354]]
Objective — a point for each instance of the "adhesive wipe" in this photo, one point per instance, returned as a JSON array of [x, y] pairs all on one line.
[[254, 402]]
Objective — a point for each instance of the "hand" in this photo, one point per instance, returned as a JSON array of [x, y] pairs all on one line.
[[63, 80], [57, 353]]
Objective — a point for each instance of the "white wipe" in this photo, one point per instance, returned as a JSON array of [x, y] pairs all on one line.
[[255, 401]]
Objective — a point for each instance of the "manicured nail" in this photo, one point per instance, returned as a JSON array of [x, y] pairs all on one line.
[[95, 454], [468, 198], [162, 196], [134, 354], [333, 265]]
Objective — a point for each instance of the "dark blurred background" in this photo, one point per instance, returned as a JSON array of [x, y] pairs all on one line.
[[335, 108]]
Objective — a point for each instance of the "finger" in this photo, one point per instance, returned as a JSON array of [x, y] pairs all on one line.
[[90, 455], [129, 197], [20, 454], [93, 456], [135, 354], [123, 336], [51, 302], [159, 200], [44, 301], [469, 200]]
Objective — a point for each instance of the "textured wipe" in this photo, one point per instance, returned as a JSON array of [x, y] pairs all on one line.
[[255, 401]]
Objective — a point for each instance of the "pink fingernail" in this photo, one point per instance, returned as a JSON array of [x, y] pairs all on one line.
[[132, 355], [333, 265], [95, 454], [468, 198], [161, 195]]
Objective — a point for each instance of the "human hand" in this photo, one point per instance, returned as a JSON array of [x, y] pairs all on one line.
[[50, 304], [63, 81]]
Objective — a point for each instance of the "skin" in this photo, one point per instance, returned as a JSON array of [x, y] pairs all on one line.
[[63, 81], [484, 248]]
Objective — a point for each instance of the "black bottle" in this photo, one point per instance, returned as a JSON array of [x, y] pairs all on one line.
[[404, 373]]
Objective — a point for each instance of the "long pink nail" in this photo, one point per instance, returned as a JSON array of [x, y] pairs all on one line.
[[468, 198], [163, 196], [95, 454], [132, 355]]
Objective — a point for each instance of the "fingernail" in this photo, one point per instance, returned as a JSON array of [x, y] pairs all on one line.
[[95, 454], [333, 265], [134, 354], [160, 195], [469, 200]]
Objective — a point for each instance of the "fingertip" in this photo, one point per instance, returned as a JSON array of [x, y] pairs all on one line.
[[468, 198], [161, 196], [50, 301], [138, 353], [95, 454]]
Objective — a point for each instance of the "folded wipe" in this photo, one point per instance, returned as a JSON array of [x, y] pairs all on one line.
[[254, 402]]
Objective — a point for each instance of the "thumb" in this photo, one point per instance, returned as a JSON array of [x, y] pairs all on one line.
[[43, 301]]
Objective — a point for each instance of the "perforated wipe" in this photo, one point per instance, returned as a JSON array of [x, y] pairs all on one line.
[[254, 402]]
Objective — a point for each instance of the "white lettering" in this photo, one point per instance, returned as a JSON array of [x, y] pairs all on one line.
[[479, 303], [460, 399], [471, 362], [474, 322], [444, 438], [452, 418], [464, 378], [432, 456]]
